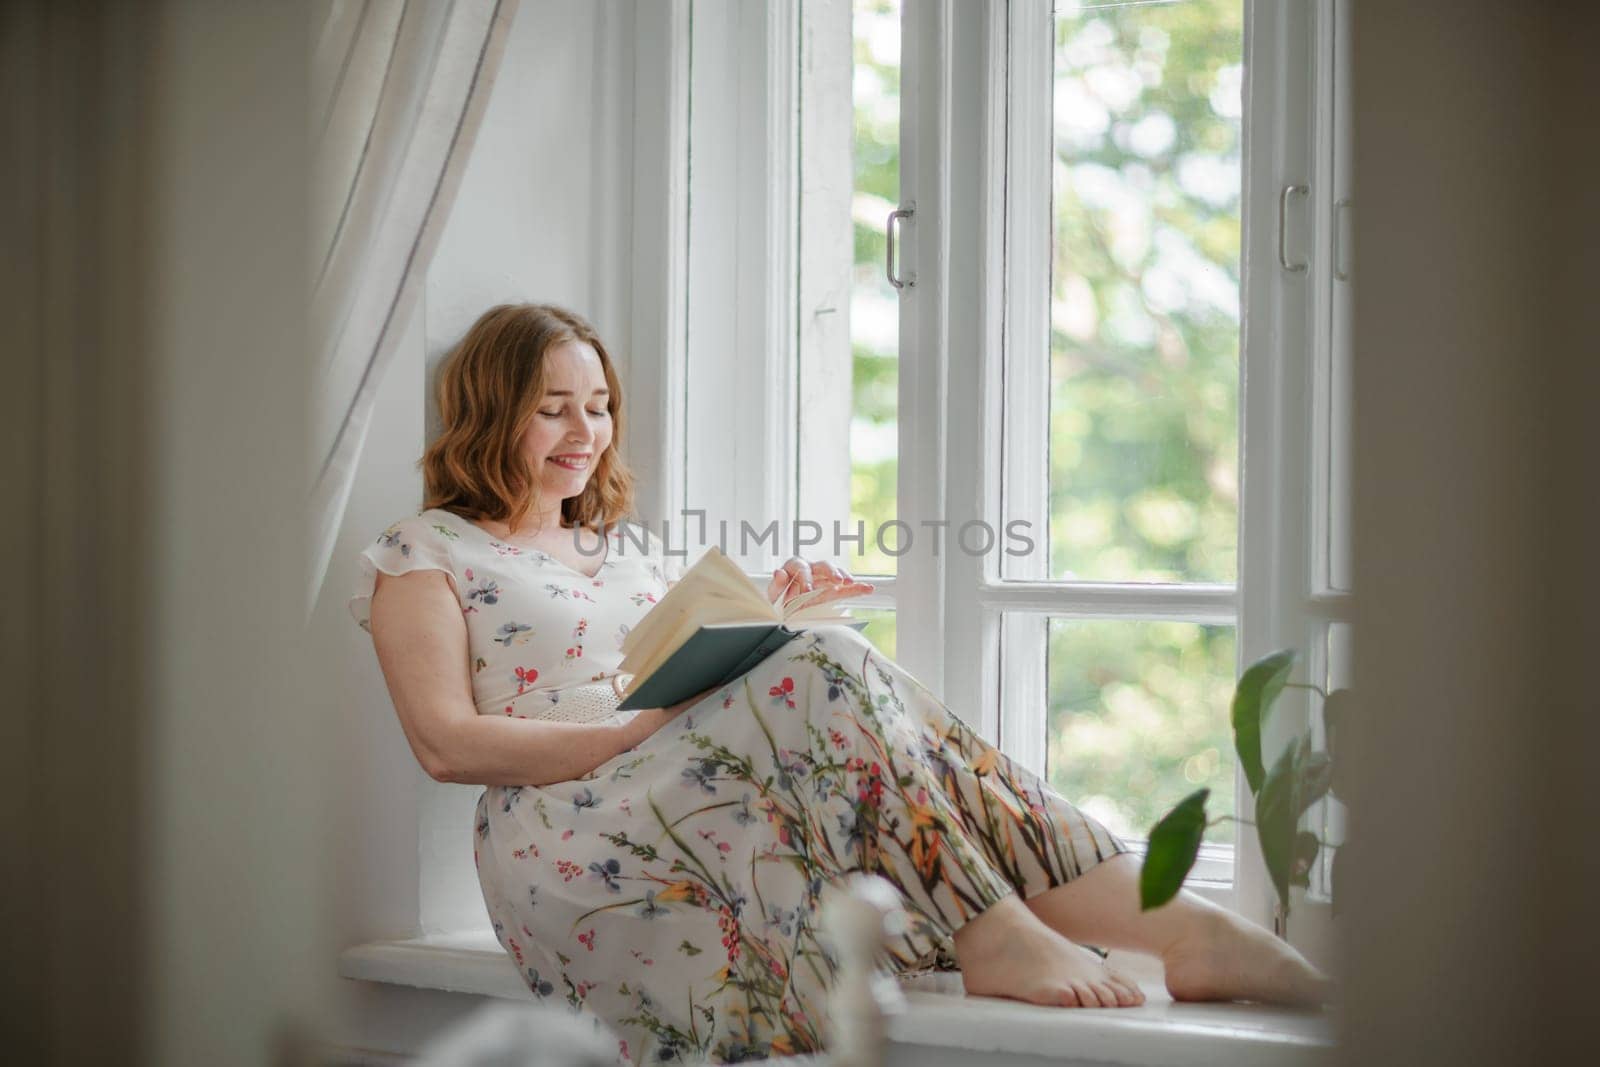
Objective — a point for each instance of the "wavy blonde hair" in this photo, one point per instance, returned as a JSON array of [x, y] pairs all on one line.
[[488, 389]]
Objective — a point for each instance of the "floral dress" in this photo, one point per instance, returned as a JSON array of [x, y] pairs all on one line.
[[672, 893]]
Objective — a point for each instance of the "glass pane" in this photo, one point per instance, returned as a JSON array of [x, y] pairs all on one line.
[[1144, 291], [880, 628], [874, 307], [1138, 719]]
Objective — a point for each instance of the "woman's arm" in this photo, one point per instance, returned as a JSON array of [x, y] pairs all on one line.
[[421, 641]]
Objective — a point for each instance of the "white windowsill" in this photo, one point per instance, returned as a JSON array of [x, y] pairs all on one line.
[[1158, 1034]]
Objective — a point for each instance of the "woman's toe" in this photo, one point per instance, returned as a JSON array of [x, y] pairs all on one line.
[[1086, 995], [1128, 994]]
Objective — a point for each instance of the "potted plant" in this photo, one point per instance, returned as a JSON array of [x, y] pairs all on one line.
[[1302, 775]]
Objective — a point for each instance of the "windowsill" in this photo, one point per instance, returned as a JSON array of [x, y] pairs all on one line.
[[938, 1015]]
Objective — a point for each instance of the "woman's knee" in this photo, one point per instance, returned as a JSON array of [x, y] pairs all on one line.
[[842, 643]]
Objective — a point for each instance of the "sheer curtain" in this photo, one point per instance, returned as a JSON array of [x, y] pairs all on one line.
[[398, 90]]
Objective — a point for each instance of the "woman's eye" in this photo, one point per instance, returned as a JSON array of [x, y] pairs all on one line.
[[599, 414], [551, 414]]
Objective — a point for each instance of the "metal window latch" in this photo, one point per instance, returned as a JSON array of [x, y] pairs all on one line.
[[889, 265], [1283, 228], [1341, 212]]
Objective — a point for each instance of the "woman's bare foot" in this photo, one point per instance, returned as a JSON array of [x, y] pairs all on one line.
[[1008, 952], [1221, 956]]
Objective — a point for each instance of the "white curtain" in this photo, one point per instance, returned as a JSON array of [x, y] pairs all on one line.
[[398, 91]]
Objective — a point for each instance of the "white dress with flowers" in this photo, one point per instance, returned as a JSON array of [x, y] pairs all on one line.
[[671, 894]]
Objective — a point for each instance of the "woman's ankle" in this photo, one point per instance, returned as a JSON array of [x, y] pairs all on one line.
[[1006, 917]]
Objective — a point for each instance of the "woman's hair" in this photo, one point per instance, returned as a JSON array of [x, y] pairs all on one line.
[[488, 389]]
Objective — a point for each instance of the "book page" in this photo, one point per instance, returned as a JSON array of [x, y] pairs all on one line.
[[712, 592]]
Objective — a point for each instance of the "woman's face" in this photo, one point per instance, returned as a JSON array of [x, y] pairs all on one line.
[[571, 424]]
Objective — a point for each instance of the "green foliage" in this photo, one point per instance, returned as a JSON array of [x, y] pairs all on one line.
[[1298, 779], [1138, 718], [1174, 844], [1252, 703], [1144, 293]]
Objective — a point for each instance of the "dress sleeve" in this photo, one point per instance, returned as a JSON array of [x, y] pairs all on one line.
[[411, 544]]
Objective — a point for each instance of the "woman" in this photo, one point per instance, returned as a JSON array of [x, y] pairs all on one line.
[[662, 870]]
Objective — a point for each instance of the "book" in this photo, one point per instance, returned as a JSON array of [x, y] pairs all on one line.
[[713, 625]]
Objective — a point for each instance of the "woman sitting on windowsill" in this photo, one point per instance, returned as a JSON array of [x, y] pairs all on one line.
[[662, 869]]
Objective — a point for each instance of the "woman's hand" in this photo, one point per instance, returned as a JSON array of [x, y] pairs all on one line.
[[797, 576]]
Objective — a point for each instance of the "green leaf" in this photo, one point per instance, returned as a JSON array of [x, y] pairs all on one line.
[[1276, 818], [1174, 844], [1303, 858], [1335, 713], [1258, 687]]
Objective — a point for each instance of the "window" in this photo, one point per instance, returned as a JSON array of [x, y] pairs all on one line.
[[1124, 330]]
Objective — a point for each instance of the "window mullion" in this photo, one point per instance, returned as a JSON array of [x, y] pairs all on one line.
[[1025, 359], [926, 105], [1115, 600], [1281, 115]]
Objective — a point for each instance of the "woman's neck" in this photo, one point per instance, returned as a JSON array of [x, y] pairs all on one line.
[[533, 524]]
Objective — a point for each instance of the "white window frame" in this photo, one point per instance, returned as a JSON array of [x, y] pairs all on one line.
[[969, 130], [1290, 373]]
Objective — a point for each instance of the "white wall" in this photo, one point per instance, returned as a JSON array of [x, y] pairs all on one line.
[[536, 218]]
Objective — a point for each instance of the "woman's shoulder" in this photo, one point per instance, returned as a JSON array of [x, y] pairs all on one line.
[[430, 534], [422, 541]]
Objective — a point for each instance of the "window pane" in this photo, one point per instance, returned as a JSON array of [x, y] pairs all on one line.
[[874, 307], [1144, 315], [880, 628], [1138, 719]]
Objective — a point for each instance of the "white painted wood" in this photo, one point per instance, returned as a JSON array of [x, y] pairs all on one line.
[[611, 175], [826, 254], [1028, 228], [939, 1018], [720, 419], [975, 166], [656, 379], [772, 41], [1340, 387], [743, 187], [1275, 537], [1194, 602], [1027, 65], [925, 139], [1331, 202], [1160, 1032]]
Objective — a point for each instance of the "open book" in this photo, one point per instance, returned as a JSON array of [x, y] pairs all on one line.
[[711, 627]]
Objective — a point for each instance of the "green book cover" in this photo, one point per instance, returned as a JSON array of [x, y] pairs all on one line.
[[714, 656]]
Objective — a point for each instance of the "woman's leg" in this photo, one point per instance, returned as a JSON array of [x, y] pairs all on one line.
[[1073, 880], [1209, 953], [952, 805]]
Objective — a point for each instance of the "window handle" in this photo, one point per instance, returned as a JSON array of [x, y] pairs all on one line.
[[1341, 210], [889, 265], [1283, 227]]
